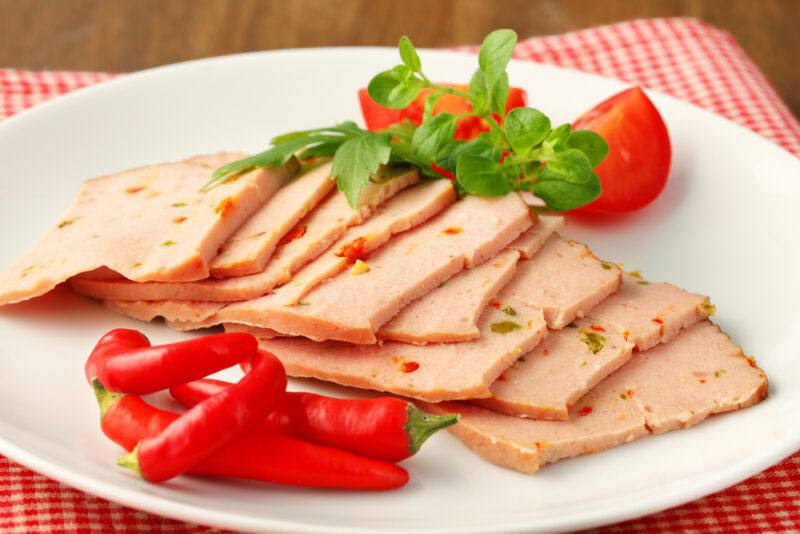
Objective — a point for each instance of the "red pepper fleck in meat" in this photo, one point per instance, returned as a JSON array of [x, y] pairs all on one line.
[[225, 206], [296, 233], [354, 250]]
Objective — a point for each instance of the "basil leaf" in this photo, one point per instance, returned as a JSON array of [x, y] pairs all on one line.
[[356, 160], [562, 195], [572, 166], [394, 88], [590, 143], [432, 136], [526, 128], [495, 53], [480, 175], [409, 54]]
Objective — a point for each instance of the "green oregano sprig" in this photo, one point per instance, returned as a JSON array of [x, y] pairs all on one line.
[[520, 152]]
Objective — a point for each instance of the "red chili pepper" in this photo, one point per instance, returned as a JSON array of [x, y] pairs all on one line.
[[259, 455], [124, 361], [211, 424], [385, 428]]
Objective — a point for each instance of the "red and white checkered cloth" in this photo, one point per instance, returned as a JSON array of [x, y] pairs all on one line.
[[683, 57]]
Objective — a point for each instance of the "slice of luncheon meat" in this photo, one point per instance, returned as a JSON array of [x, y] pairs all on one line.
[[558, 372], [565, 280], [249, 248], [171, 310], [302, 244], [566, 365], [354, 304], [409, 209], [466, 295], [649, 313], [434, 372], [676, 385], [537, 235], [450, 312], [151, 223]]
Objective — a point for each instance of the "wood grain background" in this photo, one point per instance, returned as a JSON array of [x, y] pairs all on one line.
[[126, 35]]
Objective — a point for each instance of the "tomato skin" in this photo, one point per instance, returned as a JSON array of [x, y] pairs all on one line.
[[378, 117], [635, 171]]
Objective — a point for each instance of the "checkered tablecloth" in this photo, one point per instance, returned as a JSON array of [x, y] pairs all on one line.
[[683, 57]]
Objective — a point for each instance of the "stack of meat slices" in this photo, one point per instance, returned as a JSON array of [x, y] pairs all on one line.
[[475, 306]]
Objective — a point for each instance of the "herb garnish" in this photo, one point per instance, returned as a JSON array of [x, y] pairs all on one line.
[[520, 152], [505, 327], [594, 341]]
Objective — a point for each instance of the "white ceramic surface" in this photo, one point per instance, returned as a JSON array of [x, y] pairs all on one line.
[[727, 225]]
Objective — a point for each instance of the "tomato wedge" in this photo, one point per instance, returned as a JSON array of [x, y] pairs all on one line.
[[635, 171], [378, 117]]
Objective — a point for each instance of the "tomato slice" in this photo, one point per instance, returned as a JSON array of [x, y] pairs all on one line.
[[378, 117], [635, 171]]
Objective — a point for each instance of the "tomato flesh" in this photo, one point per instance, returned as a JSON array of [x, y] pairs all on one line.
[[378, 117], [635, 171]]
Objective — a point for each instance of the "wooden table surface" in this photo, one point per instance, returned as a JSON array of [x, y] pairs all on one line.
[[126, 35]]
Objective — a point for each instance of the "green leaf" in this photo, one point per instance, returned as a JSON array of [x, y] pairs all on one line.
[[480, 175], [356, 160], [493, 58], [478, 91], [559, 136], [327, 148], [343, 128], [272, 157], [430, 103], [479, 146], [572, 165], [495, 53], [561, 195], [590, 143], [526, 128], [499, 95], [395, 88], [403, 130], [432, 136], [409, 54]]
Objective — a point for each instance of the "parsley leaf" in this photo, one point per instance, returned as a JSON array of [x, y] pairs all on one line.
[[356, 160], [519, 149]]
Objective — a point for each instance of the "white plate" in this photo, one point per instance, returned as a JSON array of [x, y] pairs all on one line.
[[727, 225]]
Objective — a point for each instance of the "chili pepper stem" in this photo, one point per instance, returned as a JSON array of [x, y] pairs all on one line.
[[105, 398], [131, 461], [422, 425]]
